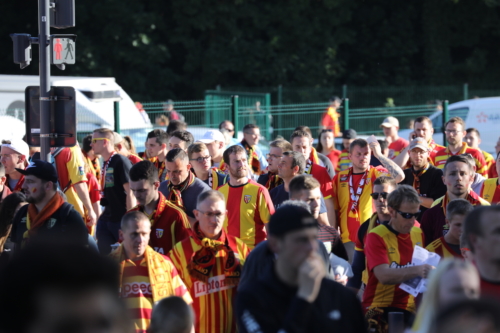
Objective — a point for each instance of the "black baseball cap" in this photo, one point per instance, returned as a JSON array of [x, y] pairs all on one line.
[[349, 134], [40, 169], [290, 218]]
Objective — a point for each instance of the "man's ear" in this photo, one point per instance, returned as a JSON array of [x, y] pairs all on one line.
[[120, 235], [156, 185], [196, 214], [447, 222], [3, 180], [392, 212], [163, 146]]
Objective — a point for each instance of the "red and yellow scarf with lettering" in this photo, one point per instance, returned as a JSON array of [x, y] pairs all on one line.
[[253, 158], [158, 271], [36, 219], [203, 260], [176, 190]]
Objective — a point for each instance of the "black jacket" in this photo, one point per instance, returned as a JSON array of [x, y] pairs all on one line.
[[268, 305]]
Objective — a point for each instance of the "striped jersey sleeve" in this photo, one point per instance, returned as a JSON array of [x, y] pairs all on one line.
[[440, 247]]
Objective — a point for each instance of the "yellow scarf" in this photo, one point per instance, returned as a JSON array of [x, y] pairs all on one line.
[[158, 271]]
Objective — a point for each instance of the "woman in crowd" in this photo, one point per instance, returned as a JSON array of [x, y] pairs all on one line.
[[326, 146]]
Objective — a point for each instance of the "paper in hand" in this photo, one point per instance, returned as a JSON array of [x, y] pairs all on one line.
[[371, 139]]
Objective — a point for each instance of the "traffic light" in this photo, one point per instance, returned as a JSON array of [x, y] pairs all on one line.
[[62, 15], [22, 49]]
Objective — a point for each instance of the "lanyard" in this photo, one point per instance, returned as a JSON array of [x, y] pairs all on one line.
[[103, 172], [355, 197]]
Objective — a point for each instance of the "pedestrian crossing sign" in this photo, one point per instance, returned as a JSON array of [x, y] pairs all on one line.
[[63, 49]]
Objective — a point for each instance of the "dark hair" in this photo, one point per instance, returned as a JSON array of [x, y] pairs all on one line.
[[473, 222], [458, 207], [171, 315], [361, 143], [473, 130], [144, 170], [319, 146], [7, 209], [403, 193], [232, 150], [177, 153], [300, 134], [384, 145], [385, 180], [176, 125], [250, 126], [184, 136], [160, 135], [472, 309], [423, 119], [297, 160], [223, 122], [86, 143], [304, 128], [302, 182], [458, 158]]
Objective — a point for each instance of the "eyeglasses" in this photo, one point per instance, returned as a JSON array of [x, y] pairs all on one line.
[[273, 156], [454, 132], [218, 215], [375, 195], [97, 139], [201, 159], [408, 215]]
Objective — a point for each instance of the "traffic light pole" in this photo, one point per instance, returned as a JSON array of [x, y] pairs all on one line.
[[44, 43]]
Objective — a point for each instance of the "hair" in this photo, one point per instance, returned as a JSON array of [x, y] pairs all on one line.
[[176, 154], [473, 130], [423, 119], [428, 309], [227, 136], [234, 149], [7, 210], [171, 315], [86, 143], [250, 126], [384, 145], [319, 146], [302, 182], [300, 134], [403, 193], [184, 136], [281, 143], [105, 132], [211, 194], [43, 266], [474, 224], [196, 147], [470, 160], [144, 170], [295, 203], [464, 242], [133, 216], [223, 122], [176, 125], [361, 143], [458, 207], [129, 144], [455, 120], [458, 158], [160, 136], [304, 129], [386, 180], [297, 160]]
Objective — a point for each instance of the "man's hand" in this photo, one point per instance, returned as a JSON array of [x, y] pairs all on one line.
[[311, 272], [342, 279], [374, 146], [424, 270], [92, 218], [412, 136]]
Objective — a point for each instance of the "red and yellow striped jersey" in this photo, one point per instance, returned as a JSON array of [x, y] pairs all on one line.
[[212, 301], [442, 155], [442, 248], [386, 246], [350, 220], [396, 147], [489, 159], [344, 161], [490, 191], [249, 208], [137, 293]]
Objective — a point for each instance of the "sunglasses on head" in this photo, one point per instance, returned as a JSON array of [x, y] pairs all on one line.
[[375, 195], [408, 215]]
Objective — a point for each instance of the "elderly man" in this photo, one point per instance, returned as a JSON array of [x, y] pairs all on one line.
[[183, 187], [215, 142], [390, 125], [146, 277], [210, 262], [156, 146], [14, 154]]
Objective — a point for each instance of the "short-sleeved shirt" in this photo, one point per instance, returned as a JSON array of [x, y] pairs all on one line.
[[442, 155], [249, 208], [445, 250], [396, 147], [189, 195], [384, 245], [322, 176], [490, 191], [279, 195], [117, 174]]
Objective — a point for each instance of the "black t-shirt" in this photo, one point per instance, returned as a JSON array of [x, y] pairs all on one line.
[[115, 197], [431, 184]]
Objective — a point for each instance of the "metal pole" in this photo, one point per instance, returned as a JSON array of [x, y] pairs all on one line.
[[344, 91], [446, 115], [117, 116], [466, 91], [235, 111], [44, 31], [346, 114]]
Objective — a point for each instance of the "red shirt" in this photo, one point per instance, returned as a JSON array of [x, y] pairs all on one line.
[[396, 147], [492, 171], [334, 156], [322, 176], [490, 289], [93, 186]]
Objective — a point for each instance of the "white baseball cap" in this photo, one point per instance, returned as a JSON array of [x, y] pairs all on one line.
[[390, 122], [211, 136], [19, 146]]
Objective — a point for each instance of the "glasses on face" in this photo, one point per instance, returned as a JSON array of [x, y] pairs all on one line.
[[201, 159], [376, 195], [454, 132], [97, 139], [218, 215], [408, 215], [273, 156]]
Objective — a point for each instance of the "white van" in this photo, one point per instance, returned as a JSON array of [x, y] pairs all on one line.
[[480, 113], [94, 99]]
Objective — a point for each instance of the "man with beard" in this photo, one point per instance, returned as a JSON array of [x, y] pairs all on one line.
[[458, 174], [47, 215], [248, 203]]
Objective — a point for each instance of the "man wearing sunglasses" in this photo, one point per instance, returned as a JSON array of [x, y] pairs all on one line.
[[389, 251], [271, 179], [199, 158]]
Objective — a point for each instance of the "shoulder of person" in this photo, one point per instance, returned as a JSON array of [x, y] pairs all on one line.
[[201, 184]]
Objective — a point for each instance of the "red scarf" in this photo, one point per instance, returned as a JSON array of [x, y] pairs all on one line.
[[175, 195], [314, 156], [203, 261], [253, 158], [19, 185], [36, 219], [161, 168], [273, 181], [472, 197]]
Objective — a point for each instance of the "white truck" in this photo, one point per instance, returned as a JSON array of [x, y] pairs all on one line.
[[94, 99]]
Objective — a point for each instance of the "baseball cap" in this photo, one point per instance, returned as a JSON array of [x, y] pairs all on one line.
[[19, 146], [349, 134], [390, 122], [40, 169], [211, 136], [290, 218], [419, 143], [117, 138]]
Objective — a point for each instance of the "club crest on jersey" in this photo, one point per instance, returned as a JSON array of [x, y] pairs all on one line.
[[247, 198], [51, 222], [344, 178], [159, 233]]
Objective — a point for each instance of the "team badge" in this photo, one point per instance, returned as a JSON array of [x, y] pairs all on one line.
[[51, 223], [343, 178], [80, 170], [247, 198], [159, 233]]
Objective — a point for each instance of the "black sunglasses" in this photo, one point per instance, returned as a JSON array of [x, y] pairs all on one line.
[[408, 215], [375, 195]]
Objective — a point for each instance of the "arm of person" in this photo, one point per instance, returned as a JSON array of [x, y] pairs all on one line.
[[97, 209], [387, 275], [82, 191], [395, 171], [330, 211], [130, 201], [426, 202], [402, 158], [323, 219]]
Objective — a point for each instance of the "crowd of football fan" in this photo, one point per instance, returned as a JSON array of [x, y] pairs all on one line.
[[213, 236]]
